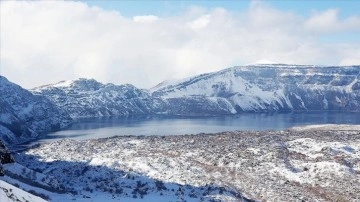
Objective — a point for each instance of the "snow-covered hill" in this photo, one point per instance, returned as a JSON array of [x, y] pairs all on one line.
[[259, 88], [24, 115], [89, 98], [20, 184], [11, 193]]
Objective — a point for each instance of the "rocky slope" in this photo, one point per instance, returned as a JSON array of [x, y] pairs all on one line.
[[24, 116], [257, 88]]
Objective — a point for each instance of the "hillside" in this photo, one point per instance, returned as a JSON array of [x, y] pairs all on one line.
[[24, 116], [262, 88], [257, 88]]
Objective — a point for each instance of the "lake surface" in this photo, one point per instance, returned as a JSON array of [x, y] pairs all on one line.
[[178, 125]]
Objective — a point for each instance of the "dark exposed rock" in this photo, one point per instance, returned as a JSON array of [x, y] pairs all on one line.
[[5, 157]]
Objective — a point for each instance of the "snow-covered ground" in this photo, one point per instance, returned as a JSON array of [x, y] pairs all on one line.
[[290, 165], [11, 193], [327, 127]]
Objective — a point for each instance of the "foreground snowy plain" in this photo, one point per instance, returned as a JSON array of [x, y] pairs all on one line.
[[317, 163]]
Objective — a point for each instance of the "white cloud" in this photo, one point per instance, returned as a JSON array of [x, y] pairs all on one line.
[[328, 21], [145, 18], [45, 42], [200, 22], [350, 56]]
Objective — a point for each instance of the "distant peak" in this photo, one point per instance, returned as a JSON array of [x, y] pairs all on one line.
[[168, 82], [86, 79], [63, 83], [85, 82]]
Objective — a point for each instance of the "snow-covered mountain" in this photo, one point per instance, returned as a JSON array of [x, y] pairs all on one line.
[[261, 88], [24, 115], [254, 88], [89, 98]]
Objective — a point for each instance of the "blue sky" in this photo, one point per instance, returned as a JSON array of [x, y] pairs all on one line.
[[305, 8], [166, 8]]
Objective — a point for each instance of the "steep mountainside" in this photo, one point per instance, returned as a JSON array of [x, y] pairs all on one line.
[[24, 115], [258, 88], [89, 98], [269, 88]]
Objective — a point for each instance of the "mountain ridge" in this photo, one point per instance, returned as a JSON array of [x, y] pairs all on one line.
[[258, 82], [254, 88]]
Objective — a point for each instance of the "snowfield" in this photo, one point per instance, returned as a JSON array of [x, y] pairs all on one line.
[[290, 165]]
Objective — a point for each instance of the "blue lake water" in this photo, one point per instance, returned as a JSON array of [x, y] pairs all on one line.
[[177, 125]]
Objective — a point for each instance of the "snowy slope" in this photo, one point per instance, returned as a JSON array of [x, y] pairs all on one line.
[[24, 115], [254, 88], [11, 193], [89, 98], [272, 88], [10, 188]]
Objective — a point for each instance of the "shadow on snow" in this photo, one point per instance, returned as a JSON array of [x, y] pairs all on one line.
[[83, 179]]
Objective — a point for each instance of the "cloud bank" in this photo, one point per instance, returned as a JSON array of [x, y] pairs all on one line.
[[45, 42]]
